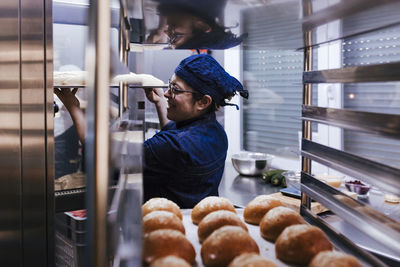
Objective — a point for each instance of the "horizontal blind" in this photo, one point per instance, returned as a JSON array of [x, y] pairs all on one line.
[[378, 47], [273, 75]]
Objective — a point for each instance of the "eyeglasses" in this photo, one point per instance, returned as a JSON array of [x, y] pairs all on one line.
[[175, 90]]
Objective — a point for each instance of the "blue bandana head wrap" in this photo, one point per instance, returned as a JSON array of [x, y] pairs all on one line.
[[205, 75]]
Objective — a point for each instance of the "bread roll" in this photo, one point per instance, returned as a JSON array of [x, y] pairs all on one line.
[[334, 259], [298, 244], [166, 242], [258, 207], [215, 220], [210, 204], [224, 244], [160, 219], [251, 260], [276, 220], [159, 203], [170, 261]]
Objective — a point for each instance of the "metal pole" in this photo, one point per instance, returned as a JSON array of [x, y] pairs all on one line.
[[97, 137], [307, 97]]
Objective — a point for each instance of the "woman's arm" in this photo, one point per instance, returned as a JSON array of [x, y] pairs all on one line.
[[72, 104]]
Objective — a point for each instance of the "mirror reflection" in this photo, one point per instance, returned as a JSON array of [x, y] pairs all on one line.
[[186, 24]]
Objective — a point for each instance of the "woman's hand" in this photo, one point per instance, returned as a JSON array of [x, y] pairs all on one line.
[[155, 95], [68, 97]]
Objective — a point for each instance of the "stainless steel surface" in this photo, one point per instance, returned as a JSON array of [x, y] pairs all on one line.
[[378, 123], [307, 100], [338, 11], [340, 241], [379, 14], [384, 177], [10, 142], [26, 150], [371, 222], [97, 136], [239, 189], [370, 73], [49, 136], [362, 240], [33, 126], [251, 163]]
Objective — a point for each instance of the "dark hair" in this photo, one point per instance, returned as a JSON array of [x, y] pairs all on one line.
[[211, 108]]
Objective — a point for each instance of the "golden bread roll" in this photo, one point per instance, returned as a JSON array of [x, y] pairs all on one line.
[[167, 242], [215, 220], [258, 207], [276, 220], [160, 203], [170, 261], [160, 219], [299, 243], [334, 259], [251, 260], [210, 204], [224, 244]]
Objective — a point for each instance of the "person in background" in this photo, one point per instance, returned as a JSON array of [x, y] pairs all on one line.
[[185, 160]]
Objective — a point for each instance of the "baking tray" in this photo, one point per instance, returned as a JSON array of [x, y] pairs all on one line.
[[267, 248]]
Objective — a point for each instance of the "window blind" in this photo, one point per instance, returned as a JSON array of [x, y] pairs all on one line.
[[272, 72]]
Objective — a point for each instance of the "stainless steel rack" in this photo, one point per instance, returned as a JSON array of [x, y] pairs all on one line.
[[371, 222]]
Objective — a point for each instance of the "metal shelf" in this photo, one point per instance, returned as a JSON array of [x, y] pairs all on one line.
[[365, 218], [382, 176], [340, 241], [370, 73], [387, 125]]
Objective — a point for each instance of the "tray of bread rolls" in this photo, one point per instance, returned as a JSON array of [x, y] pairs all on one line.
[[214, 233]]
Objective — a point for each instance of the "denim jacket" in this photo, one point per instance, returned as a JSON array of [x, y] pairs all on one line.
[[185, 161]]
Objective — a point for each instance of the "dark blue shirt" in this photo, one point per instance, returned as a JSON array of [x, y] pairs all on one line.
[[184, 162]]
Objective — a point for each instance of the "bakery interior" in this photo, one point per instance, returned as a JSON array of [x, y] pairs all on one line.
[[319, 133]]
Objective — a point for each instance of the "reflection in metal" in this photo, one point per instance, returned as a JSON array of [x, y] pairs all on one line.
[[10, 142], [340, 241], [373, 223], [370, 73], [26, 129], [186, 24], [382, 176], [378, 123]]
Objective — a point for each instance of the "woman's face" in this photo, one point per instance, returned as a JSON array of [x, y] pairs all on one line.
[[181, 105]]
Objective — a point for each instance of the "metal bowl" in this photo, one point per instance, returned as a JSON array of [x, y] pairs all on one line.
[[251, 163]]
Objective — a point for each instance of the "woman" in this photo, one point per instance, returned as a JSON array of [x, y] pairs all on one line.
[[185, 161]]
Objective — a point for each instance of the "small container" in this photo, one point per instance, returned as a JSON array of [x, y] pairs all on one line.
[[292, 179], [358, 187], [332, 180], [251, 163]]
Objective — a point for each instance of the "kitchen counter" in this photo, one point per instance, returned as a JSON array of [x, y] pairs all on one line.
[[240, 189]]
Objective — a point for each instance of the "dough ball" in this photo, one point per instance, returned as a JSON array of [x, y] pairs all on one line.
[[215, 220], [276, 220], [159, 203], [160, 219], [210, 204], [224, 244], [258, 207], [298, 244]]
